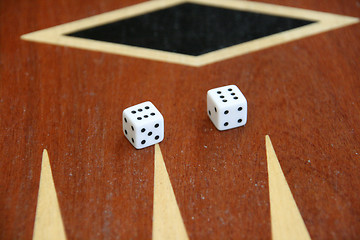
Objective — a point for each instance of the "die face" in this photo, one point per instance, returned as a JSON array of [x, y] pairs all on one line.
[[227, 107], [143, 125], [227, 95]]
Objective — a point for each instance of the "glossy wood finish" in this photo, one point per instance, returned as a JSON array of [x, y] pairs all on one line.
[[304, 94]]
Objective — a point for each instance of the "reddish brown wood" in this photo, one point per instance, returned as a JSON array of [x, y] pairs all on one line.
[[304, 94]]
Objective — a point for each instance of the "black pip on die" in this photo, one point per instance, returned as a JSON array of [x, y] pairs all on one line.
[[143, 125], [227, 107]]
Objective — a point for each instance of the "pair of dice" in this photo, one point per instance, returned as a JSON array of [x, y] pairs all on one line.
[[143, 124]]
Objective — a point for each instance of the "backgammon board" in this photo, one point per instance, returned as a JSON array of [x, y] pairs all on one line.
[[68, 69]]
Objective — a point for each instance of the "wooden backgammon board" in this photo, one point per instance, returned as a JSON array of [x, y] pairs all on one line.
[[68, 69]]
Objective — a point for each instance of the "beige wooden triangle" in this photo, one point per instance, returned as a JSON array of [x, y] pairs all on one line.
[[48, 221], [286, 220], [167, 221]]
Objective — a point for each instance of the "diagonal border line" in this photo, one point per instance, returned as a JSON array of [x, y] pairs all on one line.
[[324, 22]]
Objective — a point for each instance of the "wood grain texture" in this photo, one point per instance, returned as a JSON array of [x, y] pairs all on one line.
[[304, 94]]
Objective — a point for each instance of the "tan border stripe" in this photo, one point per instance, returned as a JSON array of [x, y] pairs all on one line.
[[325, 22]]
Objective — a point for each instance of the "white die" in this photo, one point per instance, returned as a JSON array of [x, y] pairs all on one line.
[[143, 125], [227, 107]]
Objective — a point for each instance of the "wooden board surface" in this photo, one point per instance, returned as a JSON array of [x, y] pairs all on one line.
[[304, 94]]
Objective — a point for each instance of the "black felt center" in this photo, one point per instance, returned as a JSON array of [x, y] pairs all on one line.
[[191, 29]]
